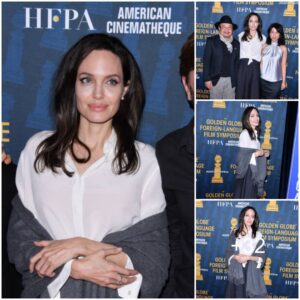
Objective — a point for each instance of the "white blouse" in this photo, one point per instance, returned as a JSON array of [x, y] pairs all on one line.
[[246, 244], [252, 48], [246, 142], [93, 204]]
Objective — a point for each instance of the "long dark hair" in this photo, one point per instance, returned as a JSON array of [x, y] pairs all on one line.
[[279, 29], [246, 34], [246, 123], [241, 223], [51, 152]]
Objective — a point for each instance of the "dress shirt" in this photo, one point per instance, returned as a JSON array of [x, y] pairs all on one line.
[[251, 49], [246, 142], [92, 204], [247, 244]]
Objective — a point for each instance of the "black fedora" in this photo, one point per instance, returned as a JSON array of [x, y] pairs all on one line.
[[226, 19]]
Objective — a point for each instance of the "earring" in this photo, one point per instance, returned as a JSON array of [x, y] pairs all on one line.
[[122, 98]]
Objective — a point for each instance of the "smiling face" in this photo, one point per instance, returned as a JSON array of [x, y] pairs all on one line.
[[254, 118], [226, 29], [249, 218], [274, 35], [253, 23], [99, 87]]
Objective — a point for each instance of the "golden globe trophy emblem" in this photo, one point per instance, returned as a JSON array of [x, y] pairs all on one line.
[[217, 178], [267, 271], [272, 206], [217, 8], [199, 276], [266, 145], [199, 203], [233, 223], [290, 10], [219, 104]]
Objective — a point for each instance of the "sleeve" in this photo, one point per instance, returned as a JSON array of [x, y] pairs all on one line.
[[235, 270], [207, 60], [231, 249], [20, 238], [260, 251], [153, 199], [131, 290], [149, 252], [244, 142]]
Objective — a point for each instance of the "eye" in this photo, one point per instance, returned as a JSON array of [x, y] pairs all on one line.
[[112, 82], [85, 80]]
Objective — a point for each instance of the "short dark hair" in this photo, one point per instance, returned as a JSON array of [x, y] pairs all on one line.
[[247, 29], [246, 125], [241, 223], [51, 152], [186, 57], [279, 29]]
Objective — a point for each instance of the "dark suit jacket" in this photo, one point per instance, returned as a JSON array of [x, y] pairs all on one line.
[[175, 154], [213, 60]]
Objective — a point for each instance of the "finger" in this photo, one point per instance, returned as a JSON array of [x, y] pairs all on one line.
[[42, 243], [114, 286], [33, 260], [128, 280], [43, 268], [110, 251], [123, 271]]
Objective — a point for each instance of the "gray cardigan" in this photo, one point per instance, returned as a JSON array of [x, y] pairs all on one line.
[[146, 243], [259, 172], [255, 286]]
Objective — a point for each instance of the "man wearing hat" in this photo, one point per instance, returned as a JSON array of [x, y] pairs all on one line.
[[220, 61]]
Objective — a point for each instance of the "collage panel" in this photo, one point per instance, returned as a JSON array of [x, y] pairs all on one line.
[[259, 44], [270, 258], [97, 111], [225, 152]]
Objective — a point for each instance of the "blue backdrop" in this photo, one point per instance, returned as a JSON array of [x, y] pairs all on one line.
[[35, 35], [279, 226], [286, 13], [218, 126]]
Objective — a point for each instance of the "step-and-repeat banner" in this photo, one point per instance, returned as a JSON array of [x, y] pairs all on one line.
[[218, 126], [285, 13], [35, 36], [279, 227]]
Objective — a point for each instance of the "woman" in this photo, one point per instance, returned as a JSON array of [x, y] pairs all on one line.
[[273, 64], [251, 41], [251, 160], [91, 219], [245, 257]]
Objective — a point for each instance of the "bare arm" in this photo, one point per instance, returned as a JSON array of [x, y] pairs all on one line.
[[283, 66]]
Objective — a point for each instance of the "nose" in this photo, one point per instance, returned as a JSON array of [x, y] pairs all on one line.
[[98, 91]]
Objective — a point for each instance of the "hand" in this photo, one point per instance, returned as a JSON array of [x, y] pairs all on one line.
[[208, 84], [241, 258], [266, 153], [56, 253], [259, 152], [283, 85], [6, 158], [97, 269]]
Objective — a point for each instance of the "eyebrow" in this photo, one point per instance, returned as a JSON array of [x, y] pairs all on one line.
[[92, 75]]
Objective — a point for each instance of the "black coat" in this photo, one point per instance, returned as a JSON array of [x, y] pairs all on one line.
[[175, 154], [213, 60]]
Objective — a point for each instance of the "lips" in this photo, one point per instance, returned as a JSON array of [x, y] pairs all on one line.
[[97, 107]]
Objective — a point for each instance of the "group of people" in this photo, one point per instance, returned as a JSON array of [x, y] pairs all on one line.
[[250, 67], [95, 209]]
